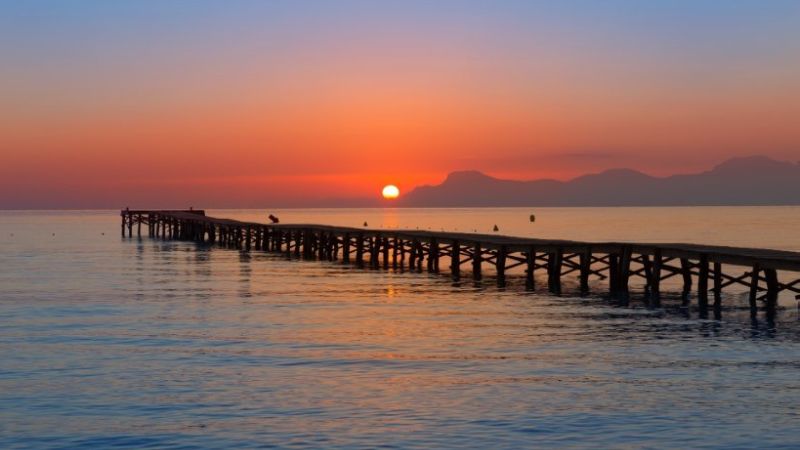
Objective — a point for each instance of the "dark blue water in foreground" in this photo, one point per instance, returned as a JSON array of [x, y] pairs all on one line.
[[146, 344]]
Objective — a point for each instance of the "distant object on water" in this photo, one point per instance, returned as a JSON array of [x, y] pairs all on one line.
[[495, 228], [365, 224], [274, 219], [533, 218]]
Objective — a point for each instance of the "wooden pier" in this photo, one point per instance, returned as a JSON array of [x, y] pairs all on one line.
[[587, 262]]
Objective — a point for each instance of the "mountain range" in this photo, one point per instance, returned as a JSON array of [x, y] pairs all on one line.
[[755, 180]]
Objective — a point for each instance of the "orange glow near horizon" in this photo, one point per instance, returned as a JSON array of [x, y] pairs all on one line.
[[320, 106]]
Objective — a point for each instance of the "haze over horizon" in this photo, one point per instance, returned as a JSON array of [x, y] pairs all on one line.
[[252, 103]]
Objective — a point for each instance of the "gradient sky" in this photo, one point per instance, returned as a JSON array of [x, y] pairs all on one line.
[[259, 103]]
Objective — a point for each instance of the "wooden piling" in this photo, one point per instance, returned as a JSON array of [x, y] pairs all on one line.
[[502, 254], [754, 278], [702, 286], [686, 273], [477, 259], [530, 267], [585, 262]]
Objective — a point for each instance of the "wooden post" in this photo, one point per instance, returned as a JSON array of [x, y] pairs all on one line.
[[586, 267], [754, 290], [298, 242], [530, 266], [433, 247], [772, 292], [394, 252], [702, 287], [138, 224], [554, 271], [322, 250], [412, 255], [625, 273], [455, 260], [374, 251], [360, 250], [502, 253], [346, 248], [385, 248], [477, 259], [306, 237], [248, 230], [420, 255], [613, 274], [686, 272], [717, 290], [123, 223], [655, 280], [647, 266], [331, 243]]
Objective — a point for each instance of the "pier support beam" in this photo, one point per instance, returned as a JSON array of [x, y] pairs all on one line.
[[530, 267], [477, 259], [655, 279], [625, 274], [360, 250], [586, 268], [613, 274], [554, 271], [772, 292], [455, 260], [686, 273], [754, 278], [502, 253], [702, 287], [717, 291], [346, 248]]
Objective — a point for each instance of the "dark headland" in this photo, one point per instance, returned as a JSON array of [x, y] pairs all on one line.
[[756, 180]]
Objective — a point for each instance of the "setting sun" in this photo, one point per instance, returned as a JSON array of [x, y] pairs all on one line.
[[390, 192]]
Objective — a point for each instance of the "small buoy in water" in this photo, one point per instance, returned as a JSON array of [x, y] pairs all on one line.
[[103, 234], [533, 217], [54, 234], [365, 223], [495, 228]]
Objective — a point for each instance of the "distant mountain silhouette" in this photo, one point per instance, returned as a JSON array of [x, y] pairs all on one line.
[[755, 180]]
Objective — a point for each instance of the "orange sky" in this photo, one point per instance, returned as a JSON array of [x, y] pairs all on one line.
[[133, 105]]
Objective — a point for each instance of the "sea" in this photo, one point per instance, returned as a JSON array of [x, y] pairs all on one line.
[[111, 342]]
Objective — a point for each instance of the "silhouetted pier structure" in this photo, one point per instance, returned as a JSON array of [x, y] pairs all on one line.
[[614, 262]]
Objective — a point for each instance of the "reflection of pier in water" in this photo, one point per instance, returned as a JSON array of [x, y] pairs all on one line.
[[616, 262]]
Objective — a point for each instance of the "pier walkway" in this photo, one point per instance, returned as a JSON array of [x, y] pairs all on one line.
[[616, 263]]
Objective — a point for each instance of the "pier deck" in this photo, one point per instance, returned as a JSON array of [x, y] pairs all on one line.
[[614, 262]]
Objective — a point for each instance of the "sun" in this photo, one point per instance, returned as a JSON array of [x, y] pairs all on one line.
[[390, 192]]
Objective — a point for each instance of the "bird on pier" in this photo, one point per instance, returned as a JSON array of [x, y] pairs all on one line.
[[365, 224], [495, 228], [274, 219]]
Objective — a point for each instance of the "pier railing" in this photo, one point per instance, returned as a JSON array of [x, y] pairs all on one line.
[[613, 262]]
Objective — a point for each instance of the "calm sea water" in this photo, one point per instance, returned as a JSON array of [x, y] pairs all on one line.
[[139, 343]]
